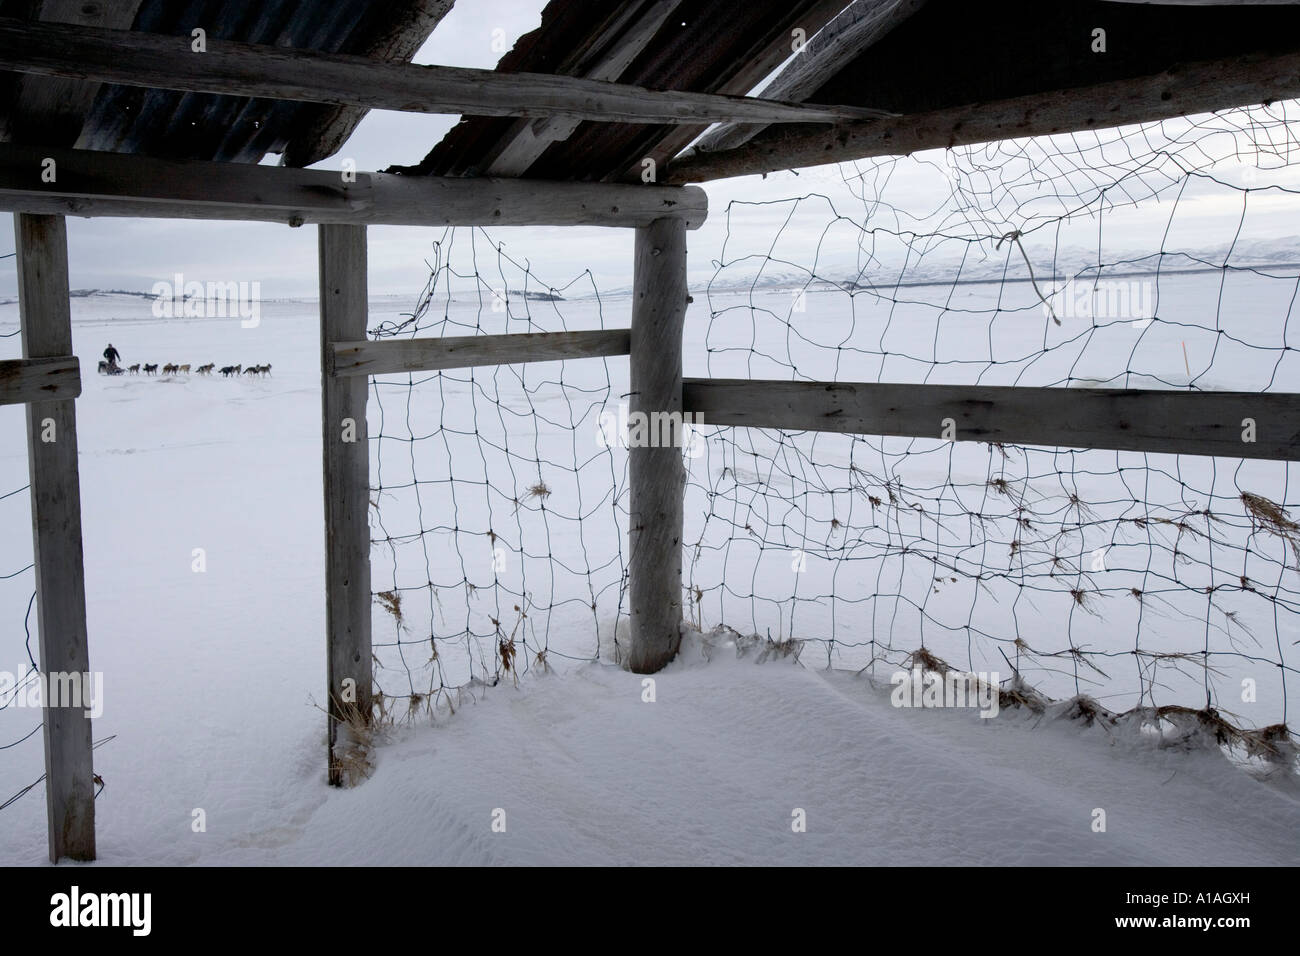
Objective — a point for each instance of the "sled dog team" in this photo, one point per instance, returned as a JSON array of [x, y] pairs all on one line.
[[225, 370], [110, 366]]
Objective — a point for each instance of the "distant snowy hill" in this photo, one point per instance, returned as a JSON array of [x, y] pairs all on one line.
[[1007, 266]]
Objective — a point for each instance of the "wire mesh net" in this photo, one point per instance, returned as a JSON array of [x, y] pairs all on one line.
[[497, 520], [1139, 258], [1154, 257]]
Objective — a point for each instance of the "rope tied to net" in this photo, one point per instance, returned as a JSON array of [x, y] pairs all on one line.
[[1014, 236]]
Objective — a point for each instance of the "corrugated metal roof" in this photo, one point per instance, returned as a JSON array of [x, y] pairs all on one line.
[[951, 53], [947, 54], [708, 46], [179, 125]]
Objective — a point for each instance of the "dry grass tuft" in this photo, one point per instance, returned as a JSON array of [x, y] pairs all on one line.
[[351, 760], [1086, 600], [921, 659], [391, 601], [1084, 708], [1000, 486], [1196, 728], [790, 647], [1194, 723], [1274, 743], [1274, 518], [1020, 694]]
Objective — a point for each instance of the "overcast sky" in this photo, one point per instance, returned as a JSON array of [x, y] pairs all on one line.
[[134, 254]]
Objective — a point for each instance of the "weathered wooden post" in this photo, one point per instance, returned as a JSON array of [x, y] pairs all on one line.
[[42, 245], [657, 476], [343, 314]]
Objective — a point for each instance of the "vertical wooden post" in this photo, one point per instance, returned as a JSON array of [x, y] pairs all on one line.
[[657, 476], [343, 314], [42, 245]]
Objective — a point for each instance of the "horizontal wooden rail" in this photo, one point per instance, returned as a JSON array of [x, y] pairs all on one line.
[[87, 183], [281, 73], [1187, 423], [465, 351], [1194, 87], [39, 379]]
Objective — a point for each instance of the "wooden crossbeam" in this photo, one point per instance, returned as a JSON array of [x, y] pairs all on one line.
[[280, 73], [1197, 87], [88, 183], [39, 379], [465, 351], [1186, 423]]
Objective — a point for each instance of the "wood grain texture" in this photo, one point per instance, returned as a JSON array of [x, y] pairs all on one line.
[[228, 67], [656, 475], [1174, 422], [343, 311], [42, 245], [465, 351], [39, 379], [89, 183]]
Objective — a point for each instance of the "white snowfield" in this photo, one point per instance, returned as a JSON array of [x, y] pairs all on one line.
[[212, 681]]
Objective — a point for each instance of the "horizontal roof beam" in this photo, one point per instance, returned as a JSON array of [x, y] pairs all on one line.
[[231, 68], [87, 183], [1195, 87]]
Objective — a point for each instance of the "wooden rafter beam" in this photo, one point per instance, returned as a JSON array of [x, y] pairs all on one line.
[[1197, 87], [1174, 422], [279, 73], [86, 183], [746, 72], [839, 42], [528, 139]]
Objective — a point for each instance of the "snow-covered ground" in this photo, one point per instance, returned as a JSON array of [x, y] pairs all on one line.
[[212, 681]]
